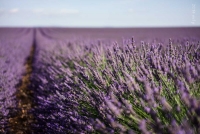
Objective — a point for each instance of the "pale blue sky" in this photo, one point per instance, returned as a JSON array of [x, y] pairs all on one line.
[[102, 13]]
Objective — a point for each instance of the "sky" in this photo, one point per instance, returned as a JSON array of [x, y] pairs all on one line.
[[99, 13]]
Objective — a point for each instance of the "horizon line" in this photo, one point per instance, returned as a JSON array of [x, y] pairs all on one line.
[[81, 27]]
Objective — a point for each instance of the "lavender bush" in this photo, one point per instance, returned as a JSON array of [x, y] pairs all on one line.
[[14, 49], [93, 87]]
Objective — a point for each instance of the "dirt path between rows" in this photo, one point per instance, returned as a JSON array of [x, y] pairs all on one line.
[[20, 123]]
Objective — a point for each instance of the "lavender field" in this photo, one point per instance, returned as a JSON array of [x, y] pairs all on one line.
[[103, 80]]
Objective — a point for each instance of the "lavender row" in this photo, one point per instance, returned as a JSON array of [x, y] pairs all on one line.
[[97, 87], [14, 49]]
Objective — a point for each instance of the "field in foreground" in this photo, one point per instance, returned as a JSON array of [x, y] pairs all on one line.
[[100, 80]]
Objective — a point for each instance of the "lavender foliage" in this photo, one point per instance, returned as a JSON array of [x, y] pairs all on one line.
[[92, 86], [15, 46], [110, 85]]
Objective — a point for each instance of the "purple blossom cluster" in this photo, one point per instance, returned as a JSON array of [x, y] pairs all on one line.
[[15, 47], [101, 85], [93, 86]]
